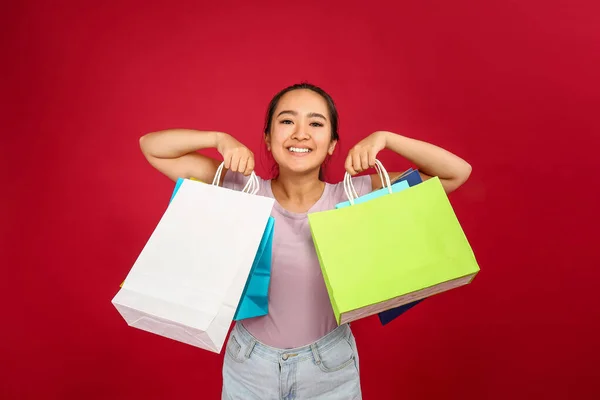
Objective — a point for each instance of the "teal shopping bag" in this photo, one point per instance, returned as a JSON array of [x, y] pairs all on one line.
[[396, 187], [255, 297]]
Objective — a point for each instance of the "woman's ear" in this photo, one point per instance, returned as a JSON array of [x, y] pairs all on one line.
[[331, 147], [268, 141]]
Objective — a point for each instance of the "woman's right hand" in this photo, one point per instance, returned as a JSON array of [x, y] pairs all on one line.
[[237, 157]]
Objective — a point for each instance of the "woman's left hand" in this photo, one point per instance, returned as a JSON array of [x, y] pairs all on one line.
[[362, 156]]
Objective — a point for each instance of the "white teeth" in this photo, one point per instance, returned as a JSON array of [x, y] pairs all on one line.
[[298, 150]]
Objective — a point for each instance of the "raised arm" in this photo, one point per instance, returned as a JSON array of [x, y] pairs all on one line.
[[174, 152], [430, 159]]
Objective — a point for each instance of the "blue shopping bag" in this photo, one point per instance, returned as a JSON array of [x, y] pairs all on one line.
[[409, 178], [255, 297]]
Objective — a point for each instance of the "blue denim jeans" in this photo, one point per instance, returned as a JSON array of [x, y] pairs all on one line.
[[326, 369]]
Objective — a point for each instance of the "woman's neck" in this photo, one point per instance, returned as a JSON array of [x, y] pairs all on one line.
[[297, 193]]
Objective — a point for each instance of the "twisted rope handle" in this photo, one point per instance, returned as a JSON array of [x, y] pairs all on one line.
[[350, 190], [251, 187]]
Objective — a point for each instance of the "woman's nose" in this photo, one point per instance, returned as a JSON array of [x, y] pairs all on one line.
[[301, 133]]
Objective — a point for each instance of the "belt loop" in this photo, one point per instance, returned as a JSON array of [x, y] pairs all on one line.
[[250, 348], [315, 352]]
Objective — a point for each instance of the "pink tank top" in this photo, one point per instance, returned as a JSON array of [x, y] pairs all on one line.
[[300, 312]]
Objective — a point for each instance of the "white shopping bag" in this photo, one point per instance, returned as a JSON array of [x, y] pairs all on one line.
[[188, 280]]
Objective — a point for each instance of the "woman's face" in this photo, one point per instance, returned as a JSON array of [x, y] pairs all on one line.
[[300, 137]]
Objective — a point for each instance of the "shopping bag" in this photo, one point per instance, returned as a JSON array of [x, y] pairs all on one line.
[[255, 297], [178, 185], [410, 177], [187, 282], [396, 187], [413, 178], [391, 250]]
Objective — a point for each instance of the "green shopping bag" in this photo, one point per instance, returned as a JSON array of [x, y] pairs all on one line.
[[391, 250]]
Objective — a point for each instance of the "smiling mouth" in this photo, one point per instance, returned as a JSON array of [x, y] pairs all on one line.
[[299, 150]]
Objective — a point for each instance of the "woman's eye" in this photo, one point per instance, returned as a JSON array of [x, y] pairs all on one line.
[[285, 121], [316, 124]]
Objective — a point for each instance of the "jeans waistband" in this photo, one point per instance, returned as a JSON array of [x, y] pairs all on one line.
[[290, 355]]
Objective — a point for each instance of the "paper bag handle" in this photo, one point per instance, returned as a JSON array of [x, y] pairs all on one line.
[[351, 190], [251, 187]]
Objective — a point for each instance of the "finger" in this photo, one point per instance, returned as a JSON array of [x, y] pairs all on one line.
[[372, 158], [242, 165], [227, 161], [348, 165], [235, 162], [364, 160], [356, 164], [249, 166]]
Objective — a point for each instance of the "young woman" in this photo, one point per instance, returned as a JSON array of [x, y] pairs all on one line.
[[297, 351]]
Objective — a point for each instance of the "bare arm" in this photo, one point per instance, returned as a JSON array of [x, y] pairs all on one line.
[[430, 159], [174, 152]]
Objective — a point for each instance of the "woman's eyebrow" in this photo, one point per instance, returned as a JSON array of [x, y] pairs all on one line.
[[287, 112], [310, 115], [317, 115]]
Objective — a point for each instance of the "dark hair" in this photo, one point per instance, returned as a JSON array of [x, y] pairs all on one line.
[[333, 114]]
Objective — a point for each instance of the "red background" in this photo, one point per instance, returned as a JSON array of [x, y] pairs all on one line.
[[513, 87]]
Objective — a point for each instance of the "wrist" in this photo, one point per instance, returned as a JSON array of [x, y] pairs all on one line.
[[383, 137], [219, 138]]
